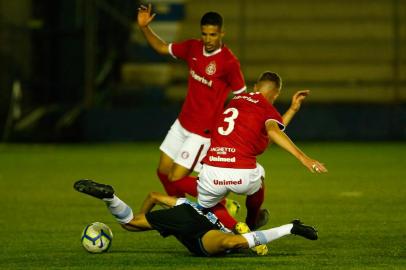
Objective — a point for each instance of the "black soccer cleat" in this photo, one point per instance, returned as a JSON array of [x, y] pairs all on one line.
[[262, 220], [94, 189], [303, 230]]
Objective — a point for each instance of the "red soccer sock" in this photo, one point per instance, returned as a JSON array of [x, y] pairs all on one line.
[[253, 204], [187, 184], [170, 189], [221, 212]]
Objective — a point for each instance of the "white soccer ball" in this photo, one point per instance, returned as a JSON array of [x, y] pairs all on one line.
[[96, 237]]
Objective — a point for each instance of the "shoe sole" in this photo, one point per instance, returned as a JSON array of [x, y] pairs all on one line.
[[94, 189], [308, 231]]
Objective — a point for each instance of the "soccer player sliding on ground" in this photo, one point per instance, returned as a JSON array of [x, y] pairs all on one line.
[[198, 229]]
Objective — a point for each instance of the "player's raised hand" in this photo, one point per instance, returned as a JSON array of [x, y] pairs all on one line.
[[298, 98], [144, 15]]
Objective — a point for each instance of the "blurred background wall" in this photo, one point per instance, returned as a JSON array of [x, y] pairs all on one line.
[[79, 70]]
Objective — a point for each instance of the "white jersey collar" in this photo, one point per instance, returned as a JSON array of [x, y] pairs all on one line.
[[211, 53]]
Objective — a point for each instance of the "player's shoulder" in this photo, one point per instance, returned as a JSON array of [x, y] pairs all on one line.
[[194, 42], [190, 43], [228, 54]]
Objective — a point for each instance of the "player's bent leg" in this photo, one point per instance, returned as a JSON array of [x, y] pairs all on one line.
[[138, 223], [175, 178], [215, 242], [296, 227], [182, 181], [165, 163], [224, 216], [164, 168], [256, 217], [178, 172]]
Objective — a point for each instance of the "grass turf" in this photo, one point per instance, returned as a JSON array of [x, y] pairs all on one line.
[[359, 208]]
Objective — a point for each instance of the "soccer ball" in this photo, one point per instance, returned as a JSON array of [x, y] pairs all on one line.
[[96, 237]]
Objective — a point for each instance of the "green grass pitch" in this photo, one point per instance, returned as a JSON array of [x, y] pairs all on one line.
[[359, 208]]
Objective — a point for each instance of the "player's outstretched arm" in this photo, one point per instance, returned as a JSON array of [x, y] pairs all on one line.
[[139, 222], [297, 100], [155, 198], [281, 139], [144, 18]]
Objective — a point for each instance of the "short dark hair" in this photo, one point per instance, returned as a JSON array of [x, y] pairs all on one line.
[[272, 77], [212, 18]]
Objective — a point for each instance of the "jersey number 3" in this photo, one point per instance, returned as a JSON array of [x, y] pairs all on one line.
[[229, 120]]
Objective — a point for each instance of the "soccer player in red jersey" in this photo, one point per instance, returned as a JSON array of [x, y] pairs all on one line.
[[243, 132], [213, 72]]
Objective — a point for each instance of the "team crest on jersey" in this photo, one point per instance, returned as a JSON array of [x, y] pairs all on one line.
[[211, 68]]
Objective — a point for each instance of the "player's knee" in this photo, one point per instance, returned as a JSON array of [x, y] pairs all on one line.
[[174, 177], [165, 164], [151, 196], [178, 172], [164, 169], [230, 242]]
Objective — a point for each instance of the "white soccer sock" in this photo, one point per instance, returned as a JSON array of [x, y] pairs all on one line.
[[119, 209], [265, 236]]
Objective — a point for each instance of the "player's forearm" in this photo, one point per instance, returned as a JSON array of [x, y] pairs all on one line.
[[148, 203], [288, 116], [159, 45], [155, 198], [285, 143], [281, 139]]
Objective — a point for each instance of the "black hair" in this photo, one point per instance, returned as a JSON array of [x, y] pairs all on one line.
[[272, 77], [212, 18]]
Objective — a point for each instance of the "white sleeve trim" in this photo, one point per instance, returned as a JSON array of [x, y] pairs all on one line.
[[281, 125], [240, 91], [180, 201], [170, 51]]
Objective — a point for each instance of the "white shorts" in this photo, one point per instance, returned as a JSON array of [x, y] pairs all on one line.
[[215, 183], [185, 148]]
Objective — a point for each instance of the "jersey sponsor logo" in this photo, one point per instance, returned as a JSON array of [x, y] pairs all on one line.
[[201, 79], [184, 154], [222, 159], [220, 150], [247, 99], [227, 182], [211, 68]]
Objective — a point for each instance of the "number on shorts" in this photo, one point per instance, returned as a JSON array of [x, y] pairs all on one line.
[[229, 120]]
